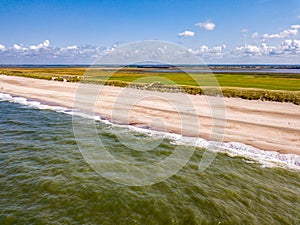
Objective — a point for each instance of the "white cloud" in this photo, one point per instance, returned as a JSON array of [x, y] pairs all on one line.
[[287, 48], [295, 27], [249, 49], [207, 25], [283, 34], [290, 47], [206, 52], [203, 48], [267, 50], [45, 53], [218, 49], [187, 33], [45, 44], [254, 50], [72, 47], [254, 35], [17, 47], [244, 30]]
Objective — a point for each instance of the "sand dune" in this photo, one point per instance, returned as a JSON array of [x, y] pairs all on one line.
[[265, 125]]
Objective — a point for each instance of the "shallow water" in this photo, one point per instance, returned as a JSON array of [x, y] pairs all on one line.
[[44, 179]]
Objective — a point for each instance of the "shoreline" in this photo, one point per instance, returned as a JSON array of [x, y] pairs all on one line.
[[264, 125]]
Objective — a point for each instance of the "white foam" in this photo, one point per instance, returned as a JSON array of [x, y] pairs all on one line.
[[232, 149], [30, 104], [236, 149], [5, 97]]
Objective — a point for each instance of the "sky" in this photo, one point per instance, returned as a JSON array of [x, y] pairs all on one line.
[[218, 31]]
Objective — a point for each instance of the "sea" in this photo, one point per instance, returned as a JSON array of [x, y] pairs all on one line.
[[46, 179]]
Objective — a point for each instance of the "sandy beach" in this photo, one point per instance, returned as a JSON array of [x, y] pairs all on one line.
[[265, 125]]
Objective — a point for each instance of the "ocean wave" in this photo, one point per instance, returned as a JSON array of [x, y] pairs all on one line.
[[232, 149], [236, 149], [30, 104]]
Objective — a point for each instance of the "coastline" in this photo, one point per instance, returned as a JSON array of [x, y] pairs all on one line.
[[264, 125]]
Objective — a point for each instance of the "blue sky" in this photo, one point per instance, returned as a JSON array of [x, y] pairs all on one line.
[[232, 31]]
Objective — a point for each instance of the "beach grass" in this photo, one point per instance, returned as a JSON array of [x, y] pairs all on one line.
[[264, 86]]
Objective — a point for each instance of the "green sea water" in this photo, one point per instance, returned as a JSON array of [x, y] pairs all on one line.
[[44, 179]]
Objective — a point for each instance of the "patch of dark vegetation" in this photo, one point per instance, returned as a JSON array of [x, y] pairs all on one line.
[[264, 95], [244, 93]]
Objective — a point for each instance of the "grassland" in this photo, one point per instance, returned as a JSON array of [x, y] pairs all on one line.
[[264, 86]]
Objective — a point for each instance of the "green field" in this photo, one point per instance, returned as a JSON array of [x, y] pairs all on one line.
[[264, 86]]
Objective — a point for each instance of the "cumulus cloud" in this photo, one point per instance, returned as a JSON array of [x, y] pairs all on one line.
[[17, 47], [218, 49], [45, 44], [206, 49], [249, 49], [72, 47], [293, 30], [187, 33], [295, 27], [207, 25], [256, 50], [45, 53], [290, 47], [267, 50], [206, 52], [244, 30], [286, 48], [254, 35]]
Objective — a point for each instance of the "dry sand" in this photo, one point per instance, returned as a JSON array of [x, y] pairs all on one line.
[[264, 125]]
